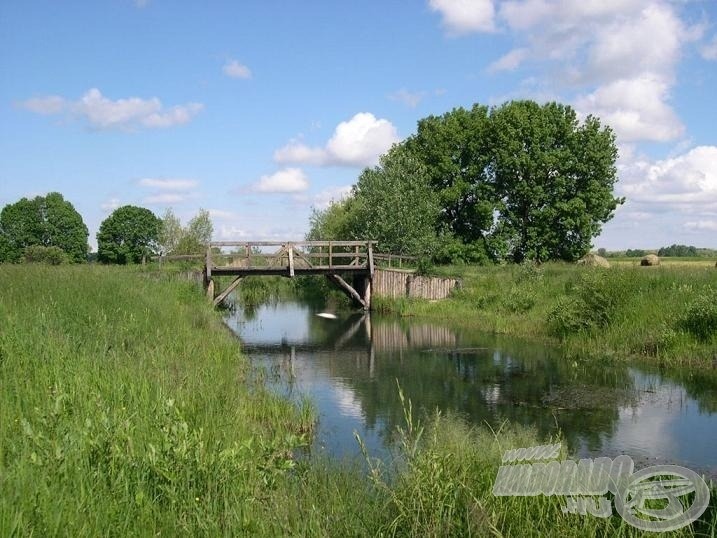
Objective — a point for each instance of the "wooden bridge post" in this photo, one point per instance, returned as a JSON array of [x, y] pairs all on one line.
[[208, 282]]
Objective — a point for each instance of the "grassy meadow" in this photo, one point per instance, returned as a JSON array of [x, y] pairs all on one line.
[[127, 409], [666, 314]]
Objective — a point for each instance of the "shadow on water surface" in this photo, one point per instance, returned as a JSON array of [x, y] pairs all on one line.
[[349, 367]]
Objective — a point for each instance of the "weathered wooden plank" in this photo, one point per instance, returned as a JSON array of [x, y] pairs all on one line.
[[336, 279], [223, 295]]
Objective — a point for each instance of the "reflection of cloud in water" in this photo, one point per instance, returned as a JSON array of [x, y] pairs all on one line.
[[491, 395], [347, 401]]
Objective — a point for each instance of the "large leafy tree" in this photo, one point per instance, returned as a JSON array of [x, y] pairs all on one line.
[[455, 151], [520, 181], [392, 203], [48, 221], [127, 235], [395, 205], [553, 180]]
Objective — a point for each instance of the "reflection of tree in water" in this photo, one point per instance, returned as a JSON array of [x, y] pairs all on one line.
[[480, 383]]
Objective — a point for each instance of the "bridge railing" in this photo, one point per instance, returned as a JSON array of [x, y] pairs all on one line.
[[270, 256]]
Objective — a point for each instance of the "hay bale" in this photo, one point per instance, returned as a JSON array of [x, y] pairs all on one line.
[[650, 261], [593, 260]]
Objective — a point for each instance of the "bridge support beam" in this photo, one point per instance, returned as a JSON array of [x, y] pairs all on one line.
[[224, 294], [362, 299]]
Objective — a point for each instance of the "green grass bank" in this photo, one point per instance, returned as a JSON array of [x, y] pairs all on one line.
[[665, 314], [127, 409]]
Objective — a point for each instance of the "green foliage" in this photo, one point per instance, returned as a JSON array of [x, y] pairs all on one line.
[[635, 253], [683, 251], [591, 303], [48, 221], [392, 204], [516, 182], [554, 180], [49, 255], [127, 235], [170, 232], [193, 239], [700, 319]]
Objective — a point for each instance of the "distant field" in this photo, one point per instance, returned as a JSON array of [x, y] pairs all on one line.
[[676, 261]]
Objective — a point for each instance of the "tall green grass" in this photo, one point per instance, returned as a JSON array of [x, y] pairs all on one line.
[[127, 410], [663, 314]]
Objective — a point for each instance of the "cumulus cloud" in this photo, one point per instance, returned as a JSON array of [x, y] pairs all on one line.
[[460, 17], [356, 142], [288, 180], [122, 114], [234, 69], [618, 56], [635, 108], [687, 182], [169, 184]]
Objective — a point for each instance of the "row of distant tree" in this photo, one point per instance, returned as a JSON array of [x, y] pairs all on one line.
[[49, 229], [673, 251]]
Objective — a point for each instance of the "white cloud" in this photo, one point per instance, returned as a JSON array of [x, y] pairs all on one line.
[[702, 225], [465, 16], [510, 61], [234, 69], [323, 199], [123, 114], [284, 181], [635, 108], [408, 98], [687, 182], [221, 214], [111, 204], [168, 198], [169, 184], [709, 51], [356, 142], [621, 55], [52, 104]]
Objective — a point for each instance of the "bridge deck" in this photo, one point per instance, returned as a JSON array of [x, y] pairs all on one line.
[[289, 258], [292, 258]]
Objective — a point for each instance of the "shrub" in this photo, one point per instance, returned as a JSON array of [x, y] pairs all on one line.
[[700, 318], [40, 254], [592, 302], [519, 300]]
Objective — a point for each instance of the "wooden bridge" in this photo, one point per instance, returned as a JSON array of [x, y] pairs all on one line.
[[337, 260]]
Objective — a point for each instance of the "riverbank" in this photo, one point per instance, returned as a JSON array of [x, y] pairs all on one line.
[[128, 409], [666, 315]]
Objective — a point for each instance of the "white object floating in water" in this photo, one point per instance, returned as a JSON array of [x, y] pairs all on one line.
[[326, 315]]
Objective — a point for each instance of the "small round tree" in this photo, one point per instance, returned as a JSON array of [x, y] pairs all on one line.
[[127, 235]]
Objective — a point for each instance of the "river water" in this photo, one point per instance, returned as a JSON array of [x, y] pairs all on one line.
[[350, 367]]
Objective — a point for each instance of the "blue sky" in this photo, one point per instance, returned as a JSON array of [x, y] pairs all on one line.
[[258, 111]]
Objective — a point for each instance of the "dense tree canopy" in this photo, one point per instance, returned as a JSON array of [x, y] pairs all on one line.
[[47, 221], [127, 235], [521, 181]]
